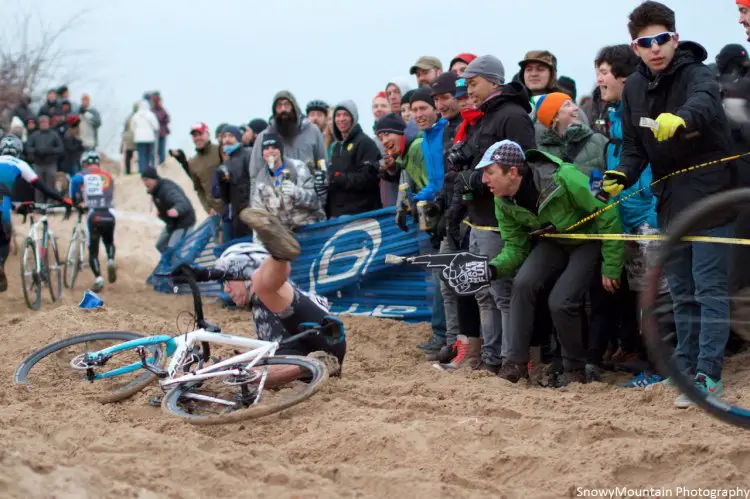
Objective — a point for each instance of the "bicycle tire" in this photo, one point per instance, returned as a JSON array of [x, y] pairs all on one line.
[[721, 203], [37, 301], [72, 262], [54, 277], [315, 367], [128, 390]]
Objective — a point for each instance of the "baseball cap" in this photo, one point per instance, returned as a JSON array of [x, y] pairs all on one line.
[[466, 57], [505, 152], [488, 67], [426, 62], [461, 90], [199, 127], [444, 84]]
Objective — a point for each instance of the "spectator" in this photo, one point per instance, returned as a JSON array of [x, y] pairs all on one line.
[[256, 126], [173, 208], [566, 137], [90, 122], [17, 128], [380, 106], [63, 94], [460, 62], [145, 127], [219, 131], [51, 107], [539, 72], [568, 86], [302, 140], [71, 163], [406, 106], [443, 93], [285, 188], [45, 147], [596, 111], [236, 182], [31, 125], [426, 70], [128, 140], [432, 127], [677, 90], [23, 109], [353, 173], [317, 114], [505, 109], [525, 202], [395, 91], [161, 114], [201, 168]]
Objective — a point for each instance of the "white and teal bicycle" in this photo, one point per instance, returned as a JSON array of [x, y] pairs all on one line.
[[198, 387]]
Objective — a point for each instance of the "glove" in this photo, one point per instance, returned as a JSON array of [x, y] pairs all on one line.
[[320, 183], [401, 220], [468, 273], [288, 189], [68, 210], [668, 125], [178, 154], [614, 182]]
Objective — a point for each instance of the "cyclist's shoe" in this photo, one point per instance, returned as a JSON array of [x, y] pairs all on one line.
[[433, 345], [592, 373], [3, 280], [513, 372], [443, 356], [643, 380], [277, 239], [468, 351], [332, 363], [98, 284], [111, 270]]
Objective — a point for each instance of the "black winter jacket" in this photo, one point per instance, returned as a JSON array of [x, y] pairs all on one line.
[[45, 146], [688, 89], [168, 195], [237, 190], [354, 184]]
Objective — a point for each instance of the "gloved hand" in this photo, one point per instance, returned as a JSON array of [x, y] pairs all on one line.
[[288, 189], [320, 183], [68, 210], [401, 220], [614, 182], [178, 154], [668, 125]]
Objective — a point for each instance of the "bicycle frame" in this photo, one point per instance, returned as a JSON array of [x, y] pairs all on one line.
[[35, 227]]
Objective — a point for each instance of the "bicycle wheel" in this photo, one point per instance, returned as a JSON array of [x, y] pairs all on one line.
[[708, 289], [51, 365], [53, 270], [229, 399], [72, 262], [30, 278]]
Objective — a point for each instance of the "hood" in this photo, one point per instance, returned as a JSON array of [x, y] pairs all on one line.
[[16, 122], [574, 134], [686, 53], [510, 92], [286, 94], [402, 83], [143, 105], [350, 107]]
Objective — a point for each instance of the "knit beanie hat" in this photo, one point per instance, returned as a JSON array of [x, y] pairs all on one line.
[[548, 105], [234, 131], [390, 123], [746, 3], [488, 67], [406, 98], [422, 94], [150, 173], [258, 125]]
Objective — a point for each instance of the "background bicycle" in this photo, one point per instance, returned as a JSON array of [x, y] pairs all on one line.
[[75, 259]]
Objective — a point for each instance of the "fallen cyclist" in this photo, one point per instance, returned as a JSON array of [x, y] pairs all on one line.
[[258, 278]]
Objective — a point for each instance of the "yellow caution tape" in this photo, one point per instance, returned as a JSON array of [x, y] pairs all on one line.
[[654, 237]]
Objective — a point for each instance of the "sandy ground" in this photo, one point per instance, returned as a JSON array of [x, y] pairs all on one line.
[[392, 426]]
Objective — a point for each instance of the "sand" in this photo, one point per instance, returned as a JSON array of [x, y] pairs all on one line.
[[392, 426]]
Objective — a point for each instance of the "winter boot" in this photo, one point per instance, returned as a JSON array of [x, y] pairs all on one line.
[[468, 351], [277, 239], [513, 372]]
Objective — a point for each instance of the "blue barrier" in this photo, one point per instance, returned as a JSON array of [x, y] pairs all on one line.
[[342, 259]]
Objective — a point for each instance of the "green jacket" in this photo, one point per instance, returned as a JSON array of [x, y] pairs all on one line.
[[563, 199], [588, 147], [413, 164]]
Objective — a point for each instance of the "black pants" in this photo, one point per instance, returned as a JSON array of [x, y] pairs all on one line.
[[128, 159], [614, 320], [101, 224], [571, 269], [6, 233]]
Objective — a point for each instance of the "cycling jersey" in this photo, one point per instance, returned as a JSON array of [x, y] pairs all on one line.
[[94, 187], [10, 169]]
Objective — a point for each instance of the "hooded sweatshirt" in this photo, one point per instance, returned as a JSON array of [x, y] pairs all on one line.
[[353, 175], [144, 124], [308, 145]]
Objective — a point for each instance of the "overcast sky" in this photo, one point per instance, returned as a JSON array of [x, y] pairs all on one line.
[[223, 60]]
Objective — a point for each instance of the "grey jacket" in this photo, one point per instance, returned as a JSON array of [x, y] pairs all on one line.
[[45, 147]]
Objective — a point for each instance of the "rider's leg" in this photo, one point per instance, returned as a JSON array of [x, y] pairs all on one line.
[[94, 237], [108, 238]]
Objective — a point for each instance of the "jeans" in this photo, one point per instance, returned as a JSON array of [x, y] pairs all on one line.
[[571, 269], [145, 155], [162, 149], [494, 303], [170, 238], [698, 276], [226, 230]]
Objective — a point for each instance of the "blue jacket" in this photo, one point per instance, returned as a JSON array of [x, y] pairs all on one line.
[[638, 209], [432, 149]]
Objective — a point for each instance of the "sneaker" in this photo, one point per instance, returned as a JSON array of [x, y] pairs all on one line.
[[3, 280], [98, 284], [468, 351], [443, 356], [592, 372], [433, 345], [683, 401], [111, 270], [666, 382], [708, 386], [277, 239], [643, 380], [513, 372]]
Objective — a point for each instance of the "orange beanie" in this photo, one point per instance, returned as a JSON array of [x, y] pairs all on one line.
[[548, 105]]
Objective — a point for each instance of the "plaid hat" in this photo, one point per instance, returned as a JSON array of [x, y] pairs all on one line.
[[506, 153], [461, 90], [422, 94], [426, 62], [258, 125], [488, 67], [444, 84], [199, 127], [390, 123]]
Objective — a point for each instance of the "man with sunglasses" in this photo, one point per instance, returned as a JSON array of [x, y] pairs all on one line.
[[672, 118]]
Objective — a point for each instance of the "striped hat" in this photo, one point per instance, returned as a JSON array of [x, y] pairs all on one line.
[[548, 105]]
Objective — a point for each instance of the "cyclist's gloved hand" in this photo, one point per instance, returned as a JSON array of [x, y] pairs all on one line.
[[668, 125], [614, 182]]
